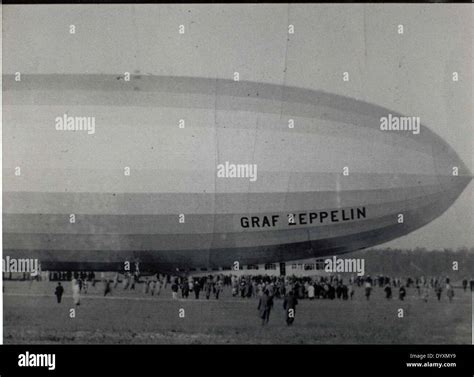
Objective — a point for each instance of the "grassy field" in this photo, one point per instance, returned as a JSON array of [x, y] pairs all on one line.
[[31, 315]]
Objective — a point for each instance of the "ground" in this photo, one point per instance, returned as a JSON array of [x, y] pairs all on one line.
[[31, 315]]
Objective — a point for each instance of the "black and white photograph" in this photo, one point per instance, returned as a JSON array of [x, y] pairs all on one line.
[[238, 174]]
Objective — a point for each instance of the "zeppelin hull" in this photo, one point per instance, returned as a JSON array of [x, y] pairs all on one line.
[[144, 185]]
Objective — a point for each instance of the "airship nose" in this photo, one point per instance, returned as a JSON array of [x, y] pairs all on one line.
[[452, 173], [460, 182]]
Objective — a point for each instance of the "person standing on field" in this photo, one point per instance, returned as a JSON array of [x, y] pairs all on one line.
[[368, 289], [76, 292], [59, 292], [265, 305]]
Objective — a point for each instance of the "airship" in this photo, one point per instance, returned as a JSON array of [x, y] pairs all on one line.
[[188, 172]]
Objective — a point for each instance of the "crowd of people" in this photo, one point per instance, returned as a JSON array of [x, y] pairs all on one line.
[[320, 287], [266, 288]]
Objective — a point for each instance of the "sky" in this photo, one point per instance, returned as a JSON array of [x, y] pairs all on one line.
[[410, 73]]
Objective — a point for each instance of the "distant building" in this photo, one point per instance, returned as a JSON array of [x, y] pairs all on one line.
[[306, 267]]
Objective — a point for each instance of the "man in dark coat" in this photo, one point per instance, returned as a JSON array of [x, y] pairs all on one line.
[[438, 291], [402, 292], [464, 284], [265, 306], [59, 292], [208, 288], [289, 304], [107, 288], [184, 289], [197, 289]]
